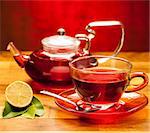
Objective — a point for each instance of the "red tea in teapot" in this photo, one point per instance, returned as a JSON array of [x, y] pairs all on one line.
[[41, 67]]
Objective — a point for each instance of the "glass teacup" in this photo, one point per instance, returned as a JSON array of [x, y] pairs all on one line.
[[101, 80]]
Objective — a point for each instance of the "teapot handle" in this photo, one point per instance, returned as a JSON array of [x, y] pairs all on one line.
[[92, 33], [84, 37]]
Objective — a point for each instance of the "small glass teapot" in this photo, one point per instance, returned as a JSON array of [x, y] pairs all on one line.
[[51, 62]]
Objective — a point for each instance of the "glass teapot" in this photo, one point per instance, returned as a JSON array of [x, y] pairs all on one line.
[[51, 62]]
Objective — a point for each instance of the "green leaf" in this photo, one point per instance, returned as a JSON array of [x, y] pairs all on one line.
[[30, 113], [9, 111], [38, 105], [14, 114], [35, 108]]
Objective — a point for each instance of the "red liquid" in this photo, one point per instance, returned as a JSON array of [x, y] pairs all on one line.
[[103, 88], [40, 67]]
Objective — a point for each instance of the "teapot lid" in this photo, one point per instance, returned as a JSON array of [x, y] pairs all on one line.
[[60, 41]]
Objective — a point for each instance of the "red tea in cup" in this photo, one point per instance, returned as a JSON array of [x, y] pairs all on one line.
[[101, 88], [103, 79]]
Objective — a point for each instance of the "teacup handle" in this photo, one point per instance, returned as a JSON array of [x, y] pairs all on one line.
[[139, 86], [92, 33]]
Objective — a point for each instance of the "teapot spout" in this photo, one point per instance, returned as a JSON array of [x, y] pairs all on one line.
[[19, 58]]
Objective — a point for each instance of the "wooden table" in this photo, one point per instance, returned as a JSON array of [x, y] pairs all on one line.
[[55, 119]]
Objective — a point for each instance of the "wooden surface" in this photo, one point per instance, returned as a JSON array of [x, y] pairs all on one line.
[[55, 119]]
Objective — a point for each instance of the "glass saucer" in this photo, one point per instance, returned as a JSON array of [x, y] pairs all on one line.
[[128, 104]]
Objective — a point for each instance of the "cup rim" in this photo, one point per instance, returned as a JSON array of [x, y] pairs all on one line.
[[100, 56]]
